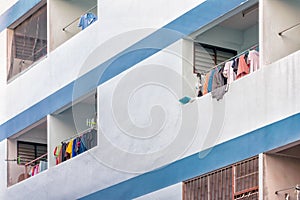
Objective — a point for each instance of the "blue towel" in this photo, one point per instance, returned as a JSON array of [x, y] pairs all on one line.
[[185, 100]]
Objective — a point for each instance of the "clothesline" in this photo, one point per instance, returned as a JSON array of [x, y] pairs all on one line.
[[236, 56], [223, 77], [79, 134], [64, 28]]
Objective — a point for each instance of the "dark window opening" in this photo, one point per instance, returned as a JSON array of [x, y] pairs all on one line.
[[207, 56], [27, 42], [28, 151]]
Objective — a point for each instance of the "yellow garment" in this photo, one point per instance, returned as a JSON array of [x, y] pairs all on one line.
[[70, 147]]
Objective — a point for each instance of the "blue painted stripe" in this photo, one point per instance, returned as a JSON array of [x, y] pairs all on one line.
[[191, 21], [15, 12], [261, 140], [37, 111]]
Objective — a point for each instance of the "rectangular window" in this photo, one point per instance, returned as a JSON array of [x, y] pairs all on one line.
[[238, 181], [27, 42], [28, 151], [207, 56]]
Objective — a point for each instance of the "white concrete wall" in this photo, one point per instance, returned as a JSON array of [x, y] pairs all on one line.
[[140, 108], [70, 56], [252, 102], [173, 192], [188, 69], [3, 168], [267, 99], [13, 169], [280, 173], [3, 61], [99, 175], [50, 76], [61, 127], [277, 16]]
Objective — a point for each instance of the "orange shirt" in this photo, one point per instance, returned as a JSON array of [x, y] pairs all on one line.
[[205, 86], [243, 67]]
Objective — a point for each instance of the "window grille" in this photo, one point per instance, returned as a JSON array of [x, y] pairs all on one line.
[[237, 182]]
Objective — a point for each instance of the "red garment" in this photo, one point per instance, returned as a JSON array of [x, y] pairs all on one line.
[[243, 67]]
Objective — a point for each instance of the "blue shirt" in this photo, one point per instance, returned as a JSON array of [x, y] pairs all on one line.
[[209, 87], [86, 20]]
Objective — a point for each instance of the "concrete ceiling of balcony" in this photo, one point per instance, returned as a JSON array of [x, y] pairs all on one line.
[[40, 126], [290, 150], [239, 19], [242, 20]]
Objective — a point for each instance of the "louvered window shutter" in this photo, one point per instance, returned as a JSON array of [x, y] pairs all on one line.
[[206, 56], [28, 151]]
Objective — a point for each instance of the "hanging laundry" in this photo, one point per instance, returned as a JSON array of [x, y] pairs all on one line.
[[94, 138], [228, 72], [205, 86], [57, 153], [63, 151], [210, 81], [36, 169], [81, 147], [69, 148], [243, 67], [42, 166], [219, 92], [218, 80], [199, 85], [235, 65], [76, 146], [90, 139], [32, 171], [86, 20], [253, 59]]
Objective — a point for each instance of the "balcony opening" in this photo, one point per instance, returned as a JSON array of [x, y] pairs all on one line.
[[27, 40], [218, 48], [73, 129], [69, 18], [281, 172], [282, 29], [27, 153]]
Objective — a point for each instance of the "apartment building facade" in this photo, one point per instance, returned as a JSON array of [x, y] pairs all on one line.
[[123, 99]]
